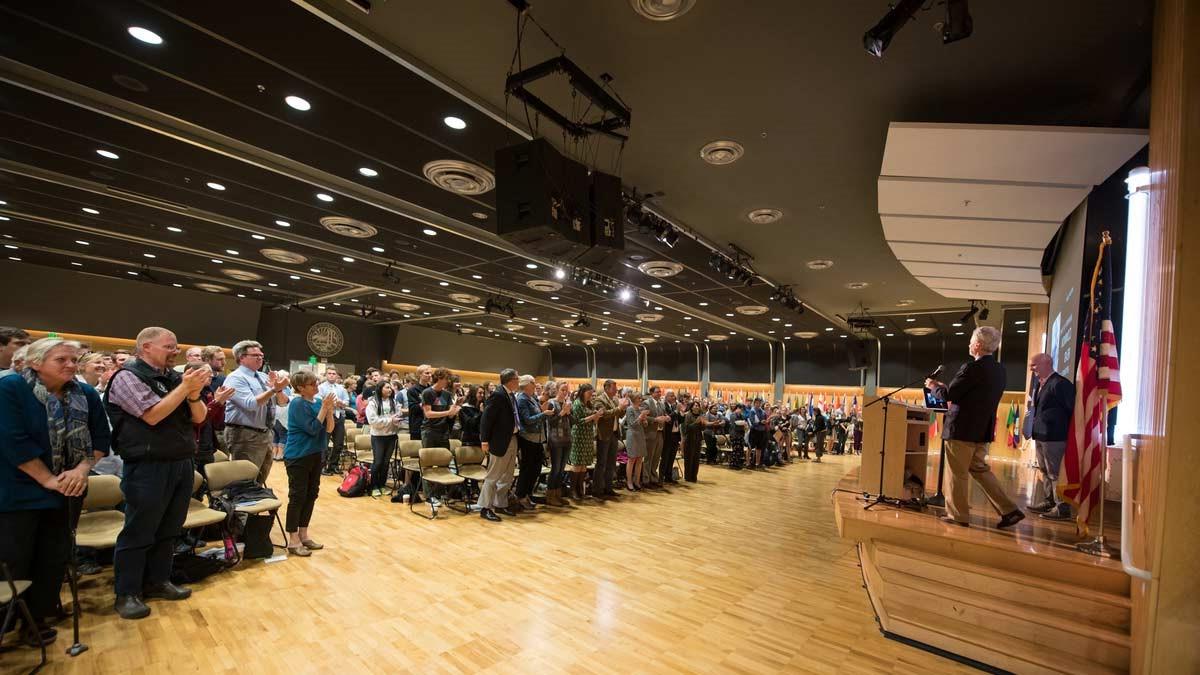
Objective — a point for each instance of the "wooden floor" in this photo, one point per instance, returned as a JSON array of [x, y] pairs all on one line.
[[742, 573]]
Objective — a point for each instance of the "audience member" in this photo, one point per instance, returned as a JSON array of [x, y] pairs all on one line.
[[214, 356], [607, 437], [309, 422], [416, 411], [672, 434], [714, 423], [250, 413], [970, 425], [583, 436], [529, 442], [152, 409], [468, 415], [190, 357], [383, 416], [91, 370], [52, 429], [637, 426], [498, 428], [694, 424], [1052, 406], [654, 437], [11, 339], [558, 440], [333, 453], [437, 411]]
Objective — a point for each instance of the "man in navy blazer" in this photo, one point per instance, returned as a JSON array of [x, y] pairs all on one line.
[[1052, 406], [972, 397], [498, 428]]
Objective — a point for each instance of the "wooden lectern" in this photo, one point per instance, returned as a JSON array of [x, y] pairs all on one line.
[[905, 450]]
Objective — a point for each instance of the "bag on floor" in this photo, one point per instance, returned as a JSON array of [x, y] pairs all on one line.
[[356, 481], [257, 536], [188, 568]]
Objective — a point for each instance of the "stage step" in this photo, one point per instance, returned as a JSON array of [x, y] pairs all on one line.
[[997, 616]]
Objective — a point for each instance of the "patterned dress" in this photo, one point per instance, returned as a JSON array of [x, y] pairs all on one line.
[[583, 436]]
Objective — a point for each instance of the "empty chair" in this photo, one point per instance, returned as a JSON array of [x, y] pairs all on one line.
[[222, 474], [362, 450], [10, 597], [199, 515], [410, 455], [100, 522], [455, 444], [434, 464], [468, 463]]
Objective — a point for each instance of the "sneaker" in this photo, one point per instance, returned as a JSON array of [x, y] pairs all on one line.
[[435, 502], [376, 492]]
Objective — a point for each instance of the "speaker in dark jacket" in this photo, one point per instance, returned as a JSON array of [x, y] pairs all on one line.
[[498, 423], [972, 397], [1053, 405]]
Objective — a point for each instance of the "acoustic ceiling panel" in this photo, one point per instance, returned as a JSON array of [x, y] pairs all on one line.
[[983, 285], [989, 272], [977, 231], [1040, 298], [1001, 152], [900, 195], [976, 255]]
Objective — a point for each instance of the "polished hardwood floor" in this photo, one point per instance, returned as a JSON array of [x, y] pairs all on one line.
[[742, 573]]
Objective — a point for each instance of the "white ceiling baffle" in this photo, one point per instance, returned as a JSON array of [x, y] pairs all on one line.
[[969, 208]]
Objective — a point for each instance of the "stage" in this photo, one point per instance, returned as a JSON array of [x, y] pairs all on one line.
[[1022, 600]]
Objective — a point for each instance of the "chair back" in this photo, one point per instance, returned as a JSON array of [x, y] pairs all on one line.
[[467, 455], [455, 444], [432, 458], [410, 449], [219, 456], [197, 481], [103, 492], [362, 442], [221, 474]]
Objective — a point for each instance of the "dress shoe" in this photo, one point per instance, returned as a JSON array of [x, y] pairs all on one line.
[[1010, 519], [131, 607], [1042, 508], [1055, 514], [506, 511], [312, 545], [488, 514], [952, 521], [167, 591]]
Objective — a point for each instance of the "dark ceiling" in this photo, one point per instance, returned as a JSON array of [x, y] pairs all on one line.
[[206, 106]]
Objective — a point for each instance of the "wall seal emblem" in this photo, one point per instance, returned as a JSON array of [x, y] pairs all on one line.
[[325, 339]]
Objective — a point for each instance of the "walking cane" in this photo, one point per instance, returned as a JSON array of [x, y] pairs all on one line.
[[77, 647]]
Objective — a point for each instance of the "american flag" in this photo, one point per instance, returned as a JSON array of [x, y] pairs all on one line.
[[1097, 390]]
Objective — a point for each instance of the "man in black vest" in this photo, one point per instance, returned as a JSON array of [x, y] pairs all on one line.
[[972, 397], [152, 409], [1053, 406], [498, 428]]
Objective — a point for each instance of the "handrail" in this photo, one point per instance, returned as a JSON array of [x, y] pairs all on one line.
[[1126, 511]]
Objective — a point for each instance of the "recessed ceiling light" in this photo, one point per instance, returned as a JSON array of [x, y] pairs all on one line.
[[455, 309], [108, 154], [530, 266], [14, 258], [215, 186], [382, 295], [882, 326], [429, 232], [479, 215], [405, 290], [1018, 323], [258, 237], [283, 223], [655, 286], [131, 273], [910, 319], [956, 325], [454, 123], [787, 325], [172, 228], [1022, 331], [728, 313], [687, 318], [314, 270], [177, 285], [337, 304], [828, 330], [219, 262], [368, 171], [704, 304], [82, 242], [3, 203], [144, 35], [4, 218], [347, 258], [90, 210], [476, 276], [241, 295], [324, 197], [354, 300], [258, 290], [894, 335], [294, 277], [771, 332], [958, 333], [77, 264], [443, 283], [297, 103], [231, 251], [11, 246], [149, 255], [272, 284], [722, 152], [377, 249]]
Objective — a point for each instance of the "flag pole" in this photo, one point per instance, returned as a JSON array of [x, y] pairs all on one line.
[[1098, 545]]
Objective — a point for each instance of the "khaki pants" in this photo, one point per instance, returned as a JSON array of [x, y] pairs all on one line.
[[963, 459], [251, 445], [493, 494], [654, 449]]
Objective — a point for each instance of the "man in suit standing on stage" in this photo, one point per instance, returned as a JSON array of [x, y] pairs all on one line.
[[972, 397], [1053, 405], [498, 428]]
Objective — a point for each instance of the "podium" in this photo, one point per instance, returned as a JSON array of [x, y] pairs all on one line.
[[905, 450]]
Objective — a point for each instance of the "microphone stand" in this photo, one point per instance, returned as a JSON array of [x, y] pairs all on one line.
[[879, 497]]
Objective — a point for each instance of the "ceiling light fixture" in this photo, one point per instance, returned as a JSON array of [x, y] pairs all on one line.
[[92, 211], [429, 232], [455, 123], [172, 228], [82, 242], [108, 154], [324, 197], [283, 223], [368, 171], [215, 186], [530, 266], [144, 35], [297, 103], [258, 237], [377, 249]]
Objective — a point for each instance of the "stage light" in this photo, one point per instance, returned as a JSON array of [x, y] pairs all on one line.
[[670, 238], [970, 314], [625, 294], [559, 273], [984, 314], [958, 23], [877, 39]]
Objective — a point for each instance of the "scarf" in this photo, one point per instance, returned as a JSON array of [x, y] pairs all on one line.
[[70, 439]]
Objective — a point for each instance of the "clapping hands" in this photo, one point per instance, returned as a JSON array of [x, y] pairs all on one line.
[[222, 394]]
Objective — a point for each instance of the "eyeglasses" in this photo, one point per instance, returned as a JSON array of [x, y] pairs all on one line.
[[254, 356]]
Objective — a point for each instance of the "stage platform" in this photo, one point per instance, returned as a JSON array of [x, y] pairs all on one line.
[[1022, 600]]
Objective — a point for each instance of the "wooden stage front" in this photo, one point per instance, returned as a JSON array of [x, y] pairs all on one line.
[[1022, 600]]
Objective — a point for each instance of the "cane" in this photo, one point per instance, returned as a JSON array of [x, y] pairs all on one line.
[[73, 505]]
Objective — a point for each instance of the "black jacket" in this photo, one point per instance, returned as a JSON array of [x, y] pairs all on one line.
[[1053, 404], [134, 440], [972, 397], [497, 424]]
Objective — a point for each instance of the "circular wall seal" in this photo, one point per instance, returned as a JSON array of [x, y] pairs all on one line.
[[325, 339]]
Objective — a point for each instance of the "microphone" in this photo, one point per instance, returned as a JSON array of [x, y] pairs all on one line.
[[934, 374]]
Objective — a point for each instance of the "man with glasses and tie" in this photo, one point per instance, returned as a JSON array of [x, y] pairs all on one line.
[[250, 414]]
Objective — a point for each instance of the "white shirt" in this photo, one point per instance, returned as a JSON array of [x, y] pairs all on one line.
[[384, 422]]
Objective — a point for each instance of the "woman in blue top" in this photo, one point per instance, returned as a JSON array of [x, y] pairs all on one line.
[[52, 429], [309, 424]]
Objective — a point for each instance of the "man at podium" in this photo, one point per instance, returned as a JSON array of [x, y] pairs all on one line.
[[972, 397]]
